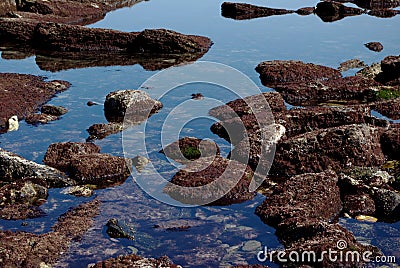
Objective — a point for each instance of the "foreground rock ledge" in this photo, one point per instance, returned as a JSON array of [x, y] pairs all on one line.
[[135, 262]]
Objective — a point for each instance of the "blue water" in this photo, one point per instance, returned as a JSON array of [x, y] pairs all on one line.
[[239, 44]]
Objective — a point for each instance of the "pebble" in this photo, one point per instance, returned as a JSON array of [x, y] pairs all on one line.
[[252, 245]]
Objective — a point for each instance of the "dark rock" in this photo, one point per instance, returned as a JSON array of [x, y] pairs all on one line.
[[20, 212], [17, 31], [13, 168], [388, 108], [304, 11], [136, 105], [100, 131], [242, 11], [391, 67], [7, 6], [118, 229], [102, 170], [36, 119], [370, 72], [334, 148], [22, 192], [358, 204], [383, 13], [53, 110], [21, 249], [305, 197], [197, 96], [374, 46], [390, 141], [79, 190], [351, 89], [59, 155], [351, 64], [190, 148], [387, 204], [177, 225], [22, 94], [165, 41], [91, 103], [377, 4], [223, 182], [332, 11], [136, 261], [279, 72]]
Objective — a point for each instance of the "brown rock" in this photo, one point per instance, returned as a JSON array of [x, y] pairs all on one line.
[[388, 108], [59, 155], [332, 11], [308, 196], [53, 110], [36, 119], [100, 131], [304, 11], [351, 64], [20, 212], [334, 148], [279, 72], [390, 141], [391, 67], [190, 148], [374, 46], [224, 182], [383, 13], [358, 204], [377, 4], [22, 94], [242, 11], [7, 6], [24, 191], [135, 261]]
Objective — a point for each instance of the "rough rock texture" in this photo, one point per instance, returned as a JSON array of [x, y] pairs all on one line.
[[135, 261], [279, 71], [21, 249], [190, 148], [135, 104], [35, 119], [351, 89], [390, 141], [303, 197], [53, 110], [22, 94], [374, 46], [377, 4], [100, 131], [388, 108], [26, 191], [333, 148], [119, 229], [20, 212], [7, 6], [13, 167], [332, 11], [102, 170], [224, 182], [351, 64], [242, 11], [391, 67], [59, 155], [304, 11]]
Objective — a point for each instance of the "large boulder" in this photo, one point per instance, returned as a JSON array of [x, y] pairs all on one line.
[[390, 140], [136, 105], [334, 148]]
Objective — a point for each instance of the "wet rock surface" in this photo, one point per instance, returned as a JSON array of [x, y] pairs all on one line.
[[351, 64], [13, 168], [100, 131], [332, 11], [390, 140], [119, 229], [374, 46], [231, 182], [53, 110], [135, 261], [22, 249], [190, 148], [36, 119], [242, 11], [22, 94]]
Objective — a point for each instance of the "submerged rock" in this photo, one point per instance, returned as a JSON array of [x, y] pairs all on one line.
[[374, 46], [22, 249], [135, 261], [118, 229], [129, 105], [53, 110], [242, 11], [334, 148], [224, 182], [190, 148], [140, 162], [79, 190], [332, 11], [100, 131], [280, 71], [13, 167]]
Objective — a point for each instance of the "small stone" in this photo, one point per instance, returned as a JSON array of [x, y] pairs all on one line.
[[118, 229], [252, 245], [140, 162], [374, 46], [366, 218], [91, 103], [53, 110], [197, 96], [35, 119]]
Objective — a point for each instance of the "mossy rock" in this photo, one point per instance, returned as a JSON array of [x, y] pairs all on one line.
[[388, 94]]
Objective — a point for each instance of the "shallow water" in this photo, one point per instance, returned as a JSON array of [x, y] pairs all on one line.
[[218, 233]]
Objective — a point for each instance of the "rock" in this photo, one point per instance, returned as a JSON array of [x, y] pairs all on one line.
[[7, 6], [351, 89], [118, 229], [59, 155], [377, 4], [135, 261], [335, 148], [390, 141], [279, 72], [178, 225], [252, 246], [351, 64], [20, 212], [100, 131], [332, 11], [53, 110], [304, 11], [135, 104], [22, 249], [374, 46], [371, 71], [13, 167], [140, 162], [358, 204], [224, 182], [190, 148], [388, 108], [383, 13], [79, 190], [22, 94], [91, 103], [35, 119], [197, 96], [387, 204], [165, 41], [24, 191], [102, 170], [305, 197], [391, 67], [241, 11]]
